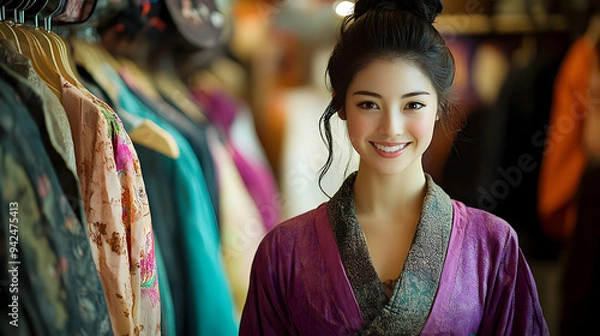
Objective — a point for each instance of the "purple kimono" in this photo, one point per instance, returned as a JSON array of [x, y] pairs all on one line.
[[464, 275]]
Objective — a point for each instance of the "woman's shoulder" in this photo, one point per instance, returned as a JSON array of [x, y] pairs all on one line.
[[295, 230], [300, 221], [481, 225]]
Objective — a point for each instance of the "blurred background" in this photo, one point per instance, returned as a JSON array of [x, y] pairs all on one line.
[[248, 76]]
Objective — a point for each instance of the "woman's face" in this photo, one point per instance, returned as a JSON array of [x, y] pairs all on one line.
[[390, 109]]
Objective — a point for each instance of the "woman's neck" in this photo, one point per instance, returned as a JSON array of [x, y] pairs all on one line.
[[383, 197]]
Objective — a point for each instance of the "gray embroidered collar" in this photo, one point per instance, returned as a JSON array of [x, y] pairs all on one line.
[[407, 310]]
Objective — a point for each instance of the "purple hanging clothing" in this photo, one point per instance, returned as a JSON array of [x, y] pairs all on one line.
[[258, 177], [464, 275]]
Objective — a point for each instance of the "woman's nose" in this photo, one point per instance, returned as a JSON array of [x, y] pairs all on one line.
[[392, 124]]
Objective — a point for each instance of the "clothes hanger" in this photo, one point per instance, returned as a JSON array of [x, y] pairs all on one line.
[[2, 18], [57, 56], [150, 135], [66, 63], [85, 55], [145, 133], [171, 87], [176, 92], [65, 59], [6, 25], [22, 29], [142, 79], [30, 47], [39, 60]]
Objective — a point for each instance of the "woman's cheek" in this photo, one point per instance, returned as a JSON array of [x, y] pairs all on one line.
[[422, 128]]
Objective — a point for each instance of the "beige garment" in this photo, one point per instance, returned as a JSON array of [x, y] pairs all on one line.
[[117, 211], [242, 228]]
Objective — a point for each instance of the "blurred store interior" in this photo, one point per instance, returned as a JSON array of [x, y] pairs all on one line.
[[253, 71]]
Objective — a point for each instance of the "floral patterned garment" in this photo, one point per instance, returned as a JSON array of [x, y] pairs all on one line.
[[42, 241], [116, 206]]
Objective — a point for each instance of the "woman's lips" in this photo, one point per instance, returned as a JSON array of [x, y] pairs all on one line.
[[390, 149]]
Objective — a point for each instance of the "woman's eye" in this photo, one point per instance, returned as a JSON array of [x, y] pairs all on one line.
[[367, 105], [415, 106]]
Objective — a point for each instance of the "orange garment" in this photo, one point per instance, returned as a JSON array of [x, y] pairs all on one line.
[[564, 158]]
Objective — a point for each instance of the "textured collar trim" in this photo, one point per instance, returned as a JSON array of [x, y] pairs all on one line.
[[407, 310]]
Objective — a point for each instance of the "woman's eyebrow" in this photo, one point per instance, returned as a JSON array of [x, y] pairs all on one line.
[[376, 95]]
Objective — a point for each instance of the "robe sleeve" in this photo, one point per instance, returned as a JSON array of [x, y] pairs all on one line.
[[512, 306], [265, 311]]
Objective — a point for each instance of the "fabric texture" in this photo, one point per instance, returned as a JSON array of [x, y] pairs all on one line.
[[194, 133], [208, 303], [43, 241], [299, 285], [52, 123], [413, 295], [117, 211]]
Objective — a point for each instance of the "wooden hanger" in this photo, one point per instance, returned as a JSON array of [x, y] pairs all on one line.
[[85, 54], [8, 33], [62, 57], [176, 92], [173, 89], [142, 80], [150, 135], [30, 47], [145, 133]]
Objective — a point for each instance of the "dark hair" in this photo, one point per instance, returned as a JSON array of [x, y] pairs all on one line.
[[387, 30]]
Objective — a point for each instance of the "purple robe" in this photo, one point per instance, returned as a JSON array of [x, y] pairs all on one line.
[[465, 274]]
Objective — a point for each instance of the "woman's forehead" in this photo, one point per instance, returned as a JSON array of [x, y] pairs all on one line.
[[389, 75]]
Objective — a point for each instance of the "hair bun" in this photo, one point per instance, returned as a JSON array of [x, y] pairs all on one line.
[[425, 9]]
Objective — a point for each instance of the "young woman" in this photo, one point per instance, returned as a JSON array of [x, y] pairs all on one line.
[[391, 253]]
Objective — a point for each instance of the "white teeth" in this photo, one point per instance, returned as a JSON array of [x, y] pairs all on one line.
[[389, 149]]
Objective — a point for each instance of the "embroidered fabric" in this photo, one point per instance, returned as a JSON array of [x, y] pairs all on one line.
[[407, 309]]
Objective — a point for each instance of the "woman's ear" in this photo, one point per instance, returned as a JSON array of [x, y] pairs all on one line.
[[342, 113]]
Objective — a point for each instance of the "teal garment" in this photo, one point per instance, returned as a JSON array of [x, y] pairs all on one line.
[[44, 249], [209, 304], [167, 324]]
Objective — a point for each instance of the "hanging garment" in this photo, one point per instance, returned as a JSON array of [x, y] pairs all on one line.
[[194, 133], [225, 113], [564, 156], [158, 177], [54, 114], [241, 224], [52, 123], [58, 290], [168, 327], [118, 215], [464, 274], [208, 302]]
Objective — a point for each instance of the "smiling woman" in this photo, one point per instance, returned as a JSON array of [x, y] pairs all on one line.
[[390, 253], [391, 109]]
